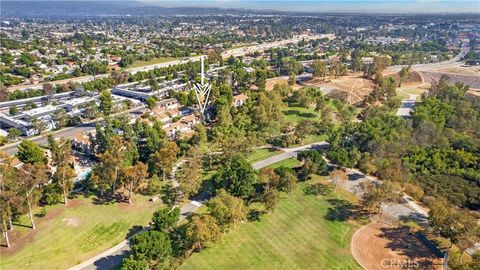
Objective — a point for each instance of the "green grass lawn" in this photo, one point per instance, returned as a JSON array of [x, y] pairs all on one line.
[[289, 162], [260, 154], [70, 235], [402, 95], [296, 114], [304, 232], [140, 63], [416, 91]]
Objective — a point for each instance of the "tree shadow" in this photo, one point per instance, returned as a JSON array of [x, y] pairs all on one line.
[[133, 230], [21, 225], [106, 199], [340, 210], [413, 245], [112, 261], [317, 189], [300, 114], [170, 195], [254, 215]]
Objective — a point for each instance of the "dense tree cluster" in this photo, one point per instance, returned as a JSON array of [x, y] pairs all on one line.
[[437, 149]]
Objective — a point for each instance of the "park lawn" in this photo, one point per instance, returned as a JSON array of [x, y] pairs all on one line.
[[154, 61], [70, 235], [313, 138], [261, 154], [296, 114], [289, 162], [303, 232]]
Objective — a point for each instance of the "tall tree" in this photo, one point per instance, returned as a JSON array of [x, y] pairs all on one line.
[[152, 246], [319, 69], [237, 177], [30, 152], [106, 103], [165, 158], [134, 177], [165, 219], [190, 176], [64, 173], [31, 176], [227, 209], [269, 177], [270, 198], [202, 230], [106, 172]]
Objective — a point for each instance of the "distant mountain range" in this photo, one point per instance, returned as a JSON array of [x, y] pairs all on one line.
[[104, 8], [92, 8]]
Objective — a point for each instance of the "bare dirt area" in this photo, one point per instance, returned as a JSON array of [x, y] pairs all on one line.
[[413, 77], [474, 92], [352, 89], [378, 247], [279, 80]]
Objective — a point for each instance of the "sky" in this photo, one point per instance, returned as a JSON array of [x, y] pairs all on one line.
[[395, 6]]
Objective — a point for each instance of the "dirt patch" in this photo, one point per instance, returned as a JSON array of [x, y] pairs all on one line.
[[352, 89], [73, 222], [279, 80], [474, 92], [413, 77], [379, 247]]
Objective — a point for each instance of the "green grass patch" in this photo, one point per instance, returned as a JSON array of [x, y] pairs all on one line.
[[402, 95], [154, 61], [313, 139], [296, 114], [289, 162], [70, 235], [416, 91], [302, 233], [261, 154]]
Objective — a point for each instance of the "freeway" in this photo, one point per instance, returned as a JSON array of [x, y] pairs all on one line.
[[83, 79], [133, 70], [444, 64]]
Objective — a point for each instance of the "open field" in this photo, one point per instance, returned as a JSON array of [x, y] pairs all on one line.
[[380, 247], [69, 235], [352, 88], [305, 231], [153, 61]]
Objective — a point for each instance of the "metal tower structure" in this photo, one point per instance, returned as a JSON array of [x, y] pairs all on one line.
[[202, 91]]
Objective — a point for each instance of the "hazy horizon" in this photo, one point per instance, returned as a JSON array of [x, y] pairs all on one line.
[[346, 6], [363, 6]]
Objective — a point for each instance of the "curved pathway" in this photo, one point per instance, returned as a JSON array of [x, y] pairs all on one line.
[[114, 256]]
